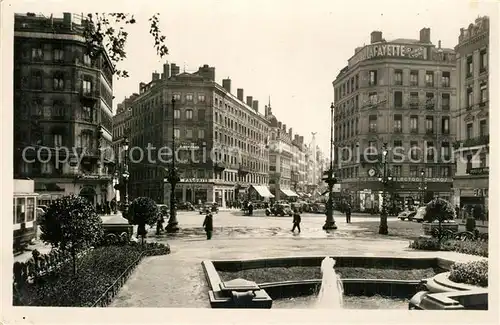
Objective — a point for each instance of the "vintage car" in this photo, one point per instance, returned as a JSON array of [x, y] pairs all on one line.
[[185, 206], [281, 209], [419, 215], [407, 215], [212, 207]]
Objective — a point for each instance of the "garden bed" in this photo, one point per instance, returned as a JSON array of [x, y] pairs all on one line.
[[96, 272], [297, 273], [471, 247]]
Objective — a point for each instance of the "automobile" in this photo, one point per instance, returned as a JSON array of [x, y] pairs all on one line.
[[212, 207], [281, 209], [321, 208], [43, 207], [419, 215], [407, 215], [185, 206], [298, 206]]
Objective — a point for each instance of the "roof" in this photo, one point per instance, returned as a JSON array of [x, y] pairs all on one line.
[[405, 41]]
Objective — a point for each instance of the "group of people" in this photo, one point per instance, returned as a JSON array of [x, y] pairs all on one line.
[[108, 207]]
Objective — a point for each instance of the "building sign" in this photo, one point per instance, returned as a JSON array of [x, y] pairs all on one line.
[[479, 171], [411, 179], [389, 50], [481, 192], [195, 180], [95, 177]]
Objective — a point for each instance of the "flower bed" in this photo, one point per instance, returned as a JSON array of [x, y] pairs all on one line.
[[472, 247], [98, 271], [297, 273], [473, 273]]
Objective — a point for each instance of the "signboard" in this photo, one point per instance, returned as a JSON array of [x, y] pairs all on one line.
[[196, 180], [389, 50]]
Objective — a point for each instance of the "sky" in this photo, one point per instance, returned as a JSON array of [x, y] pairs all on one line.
[[289, 51]]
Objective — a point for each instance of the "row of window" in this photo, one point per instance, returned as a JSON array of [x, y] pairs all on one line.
[[483, 129], [239, 113], [483, 95], [350, 129], [352, 84], [241, 128], [231, 141]]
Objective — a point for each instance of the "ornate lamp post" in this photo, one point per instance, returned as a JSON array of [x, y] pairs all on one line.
[[125, 176], [173, 179], [331, 181], [423, 187], [385, 178]]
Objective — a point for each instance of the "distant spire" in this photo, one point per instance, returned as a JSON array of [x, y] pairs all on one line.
[[269, 105], [184, 66]]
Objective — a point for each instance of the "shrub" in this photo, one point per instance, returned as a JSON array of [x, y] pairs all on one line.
[[474, 273], [71, 223], [143, 211], [428, 244], [472, 247]]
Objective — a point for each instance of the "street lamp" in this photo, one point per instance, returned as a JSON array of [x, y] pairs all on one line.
[[422, 187], [358, 193], [385, 179], [125, 176], [173, 179], [331, 181]]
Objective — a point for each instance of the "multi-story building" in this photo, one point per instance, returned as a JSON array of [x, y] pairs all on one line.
[[471, 115], [122, 126], [62, 109], [220, 142], [281, 157], [398, 93]]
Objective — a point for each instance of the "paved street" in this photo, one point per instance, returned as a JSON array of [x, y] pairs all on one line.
[[177, 280]]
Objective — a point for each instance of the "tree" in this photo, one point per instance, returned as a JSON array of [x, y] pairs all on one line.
[[143, 211], [107, 31], [72, 224], [440, 210]]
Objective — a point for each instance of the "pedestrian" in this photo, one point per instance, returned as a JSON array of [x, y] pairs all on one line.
[[296, 220], [208, 224], [159, 223], [348, 213]]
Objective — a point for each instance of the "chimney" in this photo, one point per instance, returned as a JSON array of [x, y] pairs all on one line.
[[290, 132], [376, 36], [155, 76], [425, 35], [296, 138], [174, 69], [141, 87], [226, 84], [279, 125], [166, 71], [68, 20], [284, 128], [249, 100], [301, 139], [255, 106], [240, 94], [439, 44], [265, 111]]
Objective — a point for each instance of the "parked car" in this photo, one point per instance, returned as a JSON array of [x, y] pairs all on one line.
[[407, 215], [281, 209], [419, 215], [212, 207], [185, 206]]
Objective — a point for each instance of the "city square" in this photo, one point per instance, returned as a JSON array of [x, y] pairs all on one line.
[[176, 188]]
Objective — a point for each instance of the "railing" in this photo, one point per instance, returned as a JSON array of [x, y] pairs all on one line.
[[482, 140], [479, 171]]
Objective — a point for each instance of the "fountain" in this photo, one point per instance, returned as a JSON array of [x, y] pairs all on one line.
[[332, 291]]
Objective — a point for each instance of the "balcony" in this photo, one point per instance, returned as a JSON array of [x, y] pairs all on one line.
[[479, 171], [89, 94], [483, 104], [429, 131], [219, 166], [398, 130], [243, 170], [474, 142]]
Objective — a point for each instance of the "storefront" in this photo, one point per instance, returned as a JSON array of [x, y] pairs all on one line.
[[289, 194], [200, 190], [260, 193], [471, 191]]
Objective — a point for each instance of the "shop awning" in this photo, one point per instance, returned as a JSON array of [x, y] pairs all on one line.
[[289, 193], [263, 191]]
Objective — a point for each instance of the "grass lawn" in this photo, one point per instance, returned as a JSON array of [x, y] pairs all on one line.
[[397, 228], [295, 273]]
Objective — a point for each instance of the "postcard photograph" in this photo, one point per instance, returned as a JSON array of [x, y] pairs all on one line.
[[315, 158]]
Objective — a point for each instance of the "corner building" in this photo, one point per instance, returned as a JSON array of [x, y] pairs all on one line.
[[398, 92], [472, 148], [62, 100], [206, 119]]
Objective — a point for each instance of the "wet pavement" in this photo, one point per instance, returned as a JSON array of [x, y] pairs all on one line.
[[177, 280]]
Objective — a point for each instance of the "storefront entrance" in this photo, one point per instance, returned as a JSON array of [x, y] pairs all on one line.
[[89, 194]]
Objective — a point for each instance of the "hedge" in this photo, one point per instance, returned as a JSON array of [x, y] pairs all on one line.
[[472, 247], [98, 269], [474, 273]]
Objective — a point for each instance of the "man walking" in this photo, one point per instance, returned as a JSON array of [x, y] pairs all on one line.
[[296, 220], [348, 213], [208, 224]]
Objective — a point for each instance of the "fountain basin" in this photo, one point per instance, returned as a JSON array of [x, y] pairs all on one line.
[[355, 289]]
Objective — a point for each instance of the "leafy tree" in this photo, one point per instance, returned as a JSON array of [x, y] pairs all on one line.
[[143, 211], [107, 30], [72, 224], [440, 210]]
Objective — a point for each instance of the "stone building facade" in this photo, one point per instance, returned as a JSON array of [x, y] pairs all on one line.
[[62, 109], [401, 93], [471, 114]]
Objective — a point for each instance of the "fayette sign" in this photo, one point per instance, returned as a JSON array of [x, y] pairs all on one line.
[[389, 50]]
